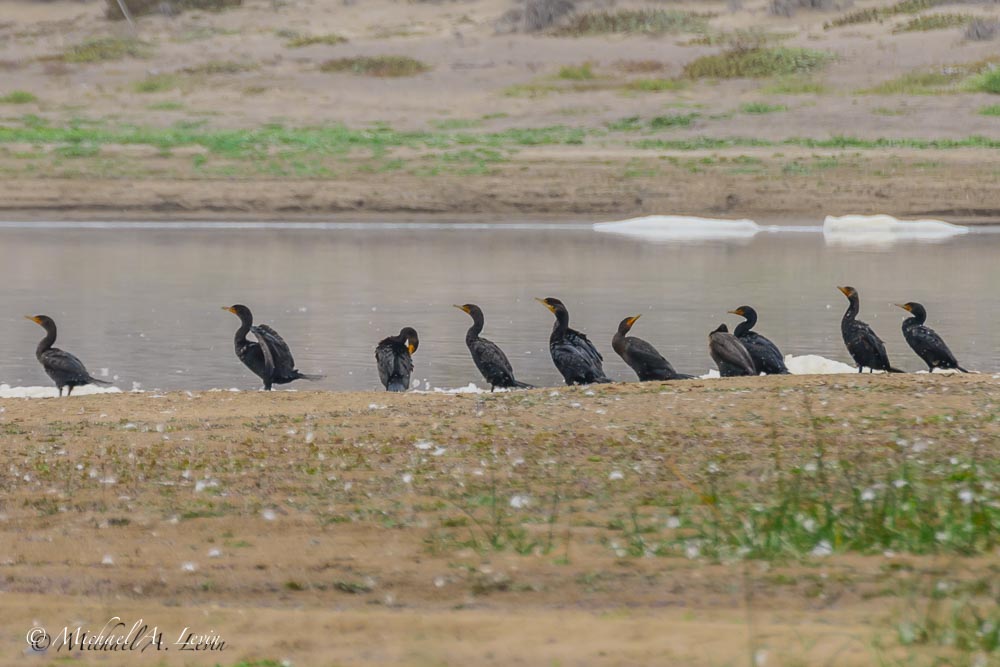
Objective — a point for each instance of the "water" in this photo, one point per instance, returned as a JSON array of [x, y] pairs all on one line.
[[145, 303]]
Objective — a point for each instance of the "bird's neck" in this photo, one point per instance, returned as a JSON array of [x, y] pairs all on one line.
[[241, 333], [477, 327], [618, 341], [852, 309], [561, 326], [46, 343], [745, 326]]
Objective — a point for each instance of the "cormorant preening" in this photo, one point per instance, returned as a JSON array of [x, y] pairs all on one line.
[[925, 341], [866, 348], [765, 354], [64, 368], [572, 352], [269, 358], [395, 363], [489, 358], [642, 357], [729, 354]]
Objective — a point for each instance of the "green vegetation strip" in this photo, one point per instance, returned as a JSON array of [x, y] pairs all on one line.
[[337, 139], [756, 63], [634, 21]]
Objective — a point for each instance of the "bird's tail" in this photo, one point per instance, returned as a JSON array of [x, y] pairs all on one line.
[[602, 380], [961, 369], [523, 385], [395, 384], [103, 383], [309, 376], [895, 370], [682, 376]]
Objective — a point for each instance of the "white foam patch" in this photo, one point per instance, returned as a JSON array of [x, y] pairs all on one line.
[[470, 388], [813, 364], [6, 391], [885, 230], [680, 228]]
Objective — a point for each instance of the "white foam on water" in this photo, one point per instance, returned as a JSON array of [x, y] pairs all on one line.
[[881, 230], [6, 391], [680, 228]]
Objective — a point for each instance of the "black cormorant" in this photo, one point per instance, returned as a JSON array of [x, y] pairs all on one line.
[[269, 358], [489, 358], [729, 354], [765, 354], [572, 352], [64, 368], [866, 348], [642, 357], [395, 363], [925, 341]]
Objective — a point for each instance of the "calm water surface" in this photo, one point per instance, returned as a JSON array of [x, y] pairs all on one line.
[[145, 304]]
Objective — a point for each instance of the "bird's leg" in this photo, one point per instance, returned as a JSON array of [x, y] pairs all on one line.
[[860, 369], [69, 390], [60, 391]]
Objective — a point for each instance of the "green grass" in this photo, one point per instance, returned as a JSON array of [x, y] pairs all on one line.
[[107, 48], [157, 83], [166, 106], [794, 85], [916, 83], [839, 142], [634, 21], [214, 67], [992, 110], [933, 22], [310, 40], [582, 72], [672, 120], [380, 66], [655, 85], [762, 108], [756, 63], [18, 97], [875, 14], [987, 82]]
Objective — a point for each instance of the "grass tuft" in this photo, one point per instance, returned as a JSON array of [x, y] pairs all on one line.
[[987, 82], [933, 22], [18, 97], [381, 66], [582, 72], [107, 48], [762, 108], [634, 21], [992, 110], [876, 14], [157, 83], [756, 63], [310, 40], [654, 85], [794, 85]]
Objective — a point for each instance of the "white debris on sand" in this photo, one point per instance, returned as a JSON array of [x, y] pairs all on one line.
[[680, 228], [813, 364], [6, 391]]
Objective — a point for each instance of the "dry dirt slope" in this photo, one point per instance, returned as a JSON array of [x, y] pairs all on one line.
[[628, 131]]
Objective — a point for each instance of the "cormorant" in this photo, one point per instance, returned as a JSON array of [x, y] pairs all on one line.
[[925, 341], [395, 363], [866, 348], [765, 354], [729, 354], [572, 352], [642, 357], [489, 358], [64, 368], [269, 358]]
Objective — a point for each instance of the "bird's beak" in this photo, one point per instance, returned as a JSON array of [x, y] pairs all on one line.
[[230, 309], [735, 312], [545, 303], [32, 318], [903, 306], [411, 347], [845, 291], [462, 308], [632, 320]]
